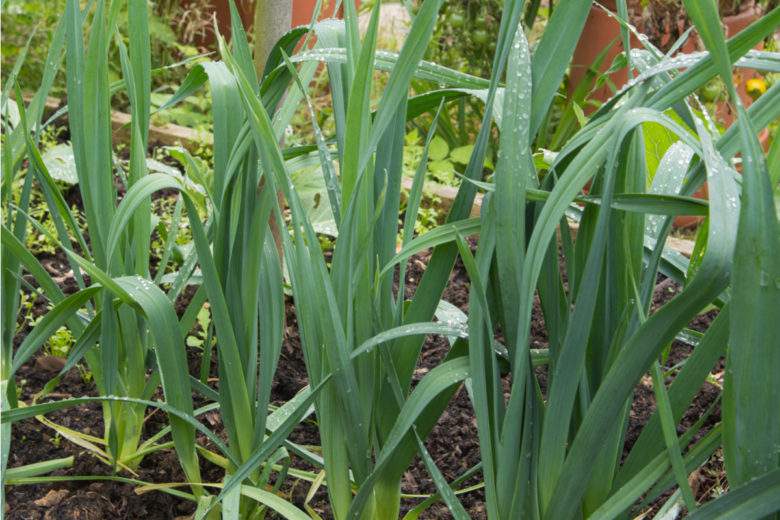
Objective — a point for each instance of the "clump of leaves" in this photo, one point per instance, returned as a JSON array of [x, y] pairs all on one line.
[[200, 336], [60, 342], [193, 112], [430, 215], [40, 241], [444, 162], [164, 209]]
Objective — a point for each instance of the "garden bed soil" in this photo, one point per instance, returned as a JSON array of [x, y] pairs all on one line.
[[453, 442]]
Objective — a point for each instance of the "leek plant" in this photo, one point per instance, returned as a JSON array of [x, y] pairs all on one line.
[[12, 155], [365, 204], [128, 331], [555, 452], [547, 452], [122, 320], [348, 313]]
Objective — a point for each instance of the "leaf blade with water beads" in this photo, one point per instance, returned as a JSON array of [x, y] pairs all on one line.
[[653, 334]]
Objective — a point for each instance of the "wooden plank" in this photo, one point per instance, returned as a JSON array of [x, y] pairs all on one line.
[[176, 135], [168, 135]]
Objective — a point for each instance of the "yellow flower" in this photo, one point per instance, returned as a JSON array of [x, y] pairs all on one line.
[[755, 87]]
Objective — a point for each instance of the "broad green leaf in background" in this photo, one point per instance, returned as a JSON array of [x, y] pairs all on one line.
[[61, 163]]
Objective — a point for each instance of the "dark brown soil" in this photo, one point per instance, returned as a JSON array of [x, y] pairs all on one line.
[[453, 443], [85, 499], [711, 475]]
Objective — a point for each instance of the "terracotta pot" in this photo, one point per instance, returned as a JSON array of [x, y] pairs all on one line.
[[725, 112], [304, 9], [600, 31], [689, 221], [221, 8], [301, 15]]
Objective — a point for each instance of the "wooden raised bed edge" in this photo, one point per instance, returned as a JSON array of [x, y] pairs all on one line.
[[175, 135], [168, 135]]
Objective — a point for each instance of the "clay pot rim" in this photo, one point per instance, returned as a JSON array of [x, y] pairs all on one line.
[[753, 11], [745, 11]]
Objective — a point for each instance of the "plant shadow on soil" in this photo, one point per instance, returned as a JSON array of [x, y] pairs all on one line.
[[453, 443]]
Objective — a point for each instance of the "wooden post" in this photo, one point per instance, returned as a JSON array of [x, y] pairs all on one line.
[[273, 18]]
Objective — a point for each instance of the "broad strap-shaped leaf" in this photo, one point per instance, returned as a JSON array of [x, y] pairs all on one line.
[[552, 56], [648, 339], [436, 381]]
